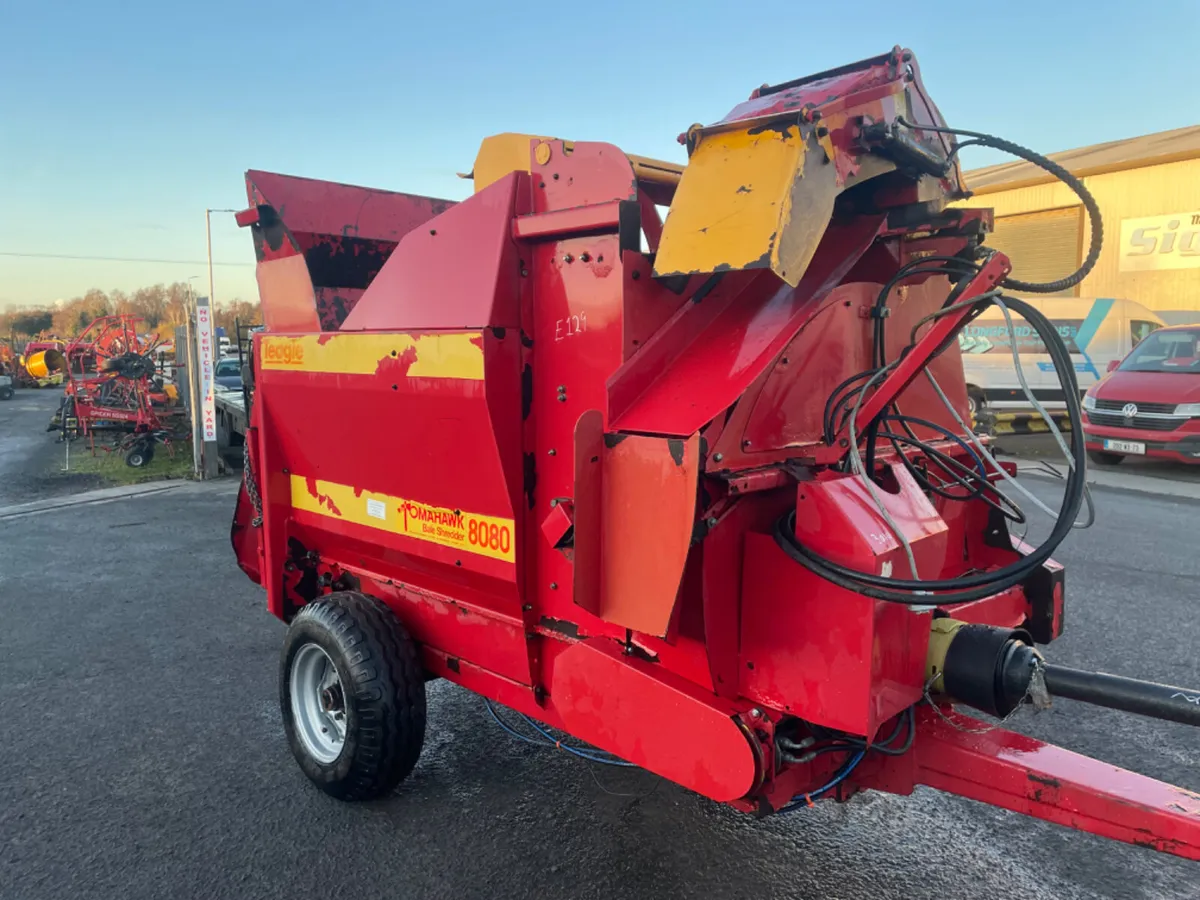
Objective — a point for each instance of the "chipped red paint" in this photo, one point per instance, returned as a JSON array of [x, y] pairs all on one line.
[[345, 233], [397, 366], [1028, 776]]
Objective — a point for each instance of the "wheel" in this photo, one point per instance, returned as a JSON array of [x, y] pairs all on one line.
[[975, 401], [6, 392], [139, 456], [352, 694], [1100, 458]]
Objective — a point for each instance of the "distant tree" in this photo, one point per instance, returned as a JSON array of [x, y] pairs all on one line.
[[237, 312], [161, 307], [32, 322], [175, 304]]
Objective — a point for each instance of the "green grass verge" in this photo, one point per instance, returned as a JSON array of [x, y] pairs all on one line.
[[111, 466]]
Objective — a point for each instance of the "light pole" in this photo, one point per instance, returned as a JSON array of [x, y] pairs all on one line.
[[208, 455], [208, 232], [191, 294]]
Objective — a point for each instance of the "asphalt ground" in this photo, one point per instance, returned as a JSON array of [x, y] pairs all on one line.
[[145, 758], [31, 463], [1043, 446]]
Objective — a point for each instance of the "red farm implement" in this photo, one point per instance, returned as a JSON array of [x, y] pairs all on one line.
[[112, 388], [697, 492]]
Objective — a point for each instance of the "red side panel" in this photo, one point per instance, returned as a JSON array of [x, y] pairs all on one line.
[[429, 449], [714, 348], [345, 233], [653, 718], [286, 293], [825, 654], [634, 524], [590, 173], [460, 272]]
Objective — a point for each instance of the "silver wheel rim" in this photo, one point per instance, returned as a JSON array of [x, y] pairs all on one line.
[[318, 704]]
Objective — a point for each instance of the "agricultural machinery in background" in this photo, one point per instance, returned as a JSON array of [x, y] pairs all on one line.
[[113, 387], [37, 364]]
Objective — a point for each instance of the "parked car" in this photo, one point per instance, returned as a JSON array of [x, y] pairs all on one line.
[[1097, 333], [228, 374], [1149, 404]]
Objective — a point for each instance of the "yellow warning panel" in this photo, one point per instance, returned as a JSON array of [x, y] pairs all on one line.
[[752, 198], [730, 198], [469, 532], [456, 354]]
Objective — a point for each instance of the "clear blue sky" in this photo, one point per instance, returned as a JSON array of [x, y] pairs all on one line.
[[120, 123]]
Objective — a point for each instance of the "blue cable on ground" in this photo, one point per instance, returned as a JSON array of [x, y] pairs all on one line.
[[551, 741], [512, 731]]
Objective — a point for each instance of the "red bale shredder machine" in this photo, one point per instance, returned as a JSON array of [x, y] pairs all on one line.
[[698, 491]]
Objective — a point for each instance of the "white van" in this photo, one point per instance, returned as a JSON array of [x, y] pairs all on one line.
[[1095, 332]]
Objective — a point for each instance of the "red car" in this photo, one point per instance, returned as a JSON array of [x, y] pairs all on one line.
[[1149, 404]]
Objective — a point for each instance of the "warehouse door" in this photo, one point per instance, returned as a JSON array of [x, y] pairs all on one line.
[[1043, 246]]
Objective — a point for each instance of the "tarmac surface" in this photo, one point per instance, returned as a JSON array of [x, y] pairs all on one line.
[[145, 757], [31, 462]]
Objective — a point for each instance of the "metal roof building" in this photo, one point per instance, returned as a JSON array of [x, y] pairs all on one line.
[[1148, 191]]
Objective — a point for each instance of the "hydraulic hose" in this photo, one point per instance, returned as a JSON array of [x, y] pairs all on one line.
[[1049, 165], [915, 592]]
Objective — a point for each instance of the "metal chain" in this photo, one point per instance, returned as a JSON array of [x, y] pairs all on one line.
[[251, 486], [1036, 696]]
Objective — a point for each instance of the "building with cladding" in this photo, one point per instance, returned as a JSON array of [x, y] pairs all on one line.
[[1148, 191]]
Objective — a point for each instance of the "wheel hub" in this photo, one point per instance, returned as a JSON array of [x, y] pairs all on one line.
[[331, 699], [318, 703]]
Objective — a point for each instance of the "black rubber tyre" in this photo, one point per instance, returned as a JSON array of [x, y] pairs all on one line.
[[1100, 458], [6, 392], [377, 663], [975, 401], [139, 456]]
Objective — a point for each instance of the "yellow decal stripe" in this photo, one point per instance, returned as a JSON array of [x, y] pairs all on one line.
[[456, 354], [470, 532]]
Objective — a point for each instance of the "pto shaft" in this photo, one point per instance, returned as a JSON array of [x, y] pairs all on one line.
[[1159, 701], [995, 669]]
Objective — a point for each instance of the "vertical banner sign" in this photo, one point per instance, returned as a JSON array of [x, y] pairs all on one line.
[[204, 348]]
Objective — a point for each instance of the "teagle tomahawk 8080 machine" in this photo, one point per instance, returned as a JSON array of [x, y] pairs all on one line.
[[698, 492]]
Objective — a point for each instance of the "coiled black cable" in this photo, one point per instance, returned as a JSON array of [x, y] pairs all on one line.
[[983, 584], [1049, 165], [913, 591]]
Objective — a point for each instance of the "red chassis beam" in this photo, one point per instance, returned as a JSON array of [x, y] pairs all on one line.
[[960, 755]]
